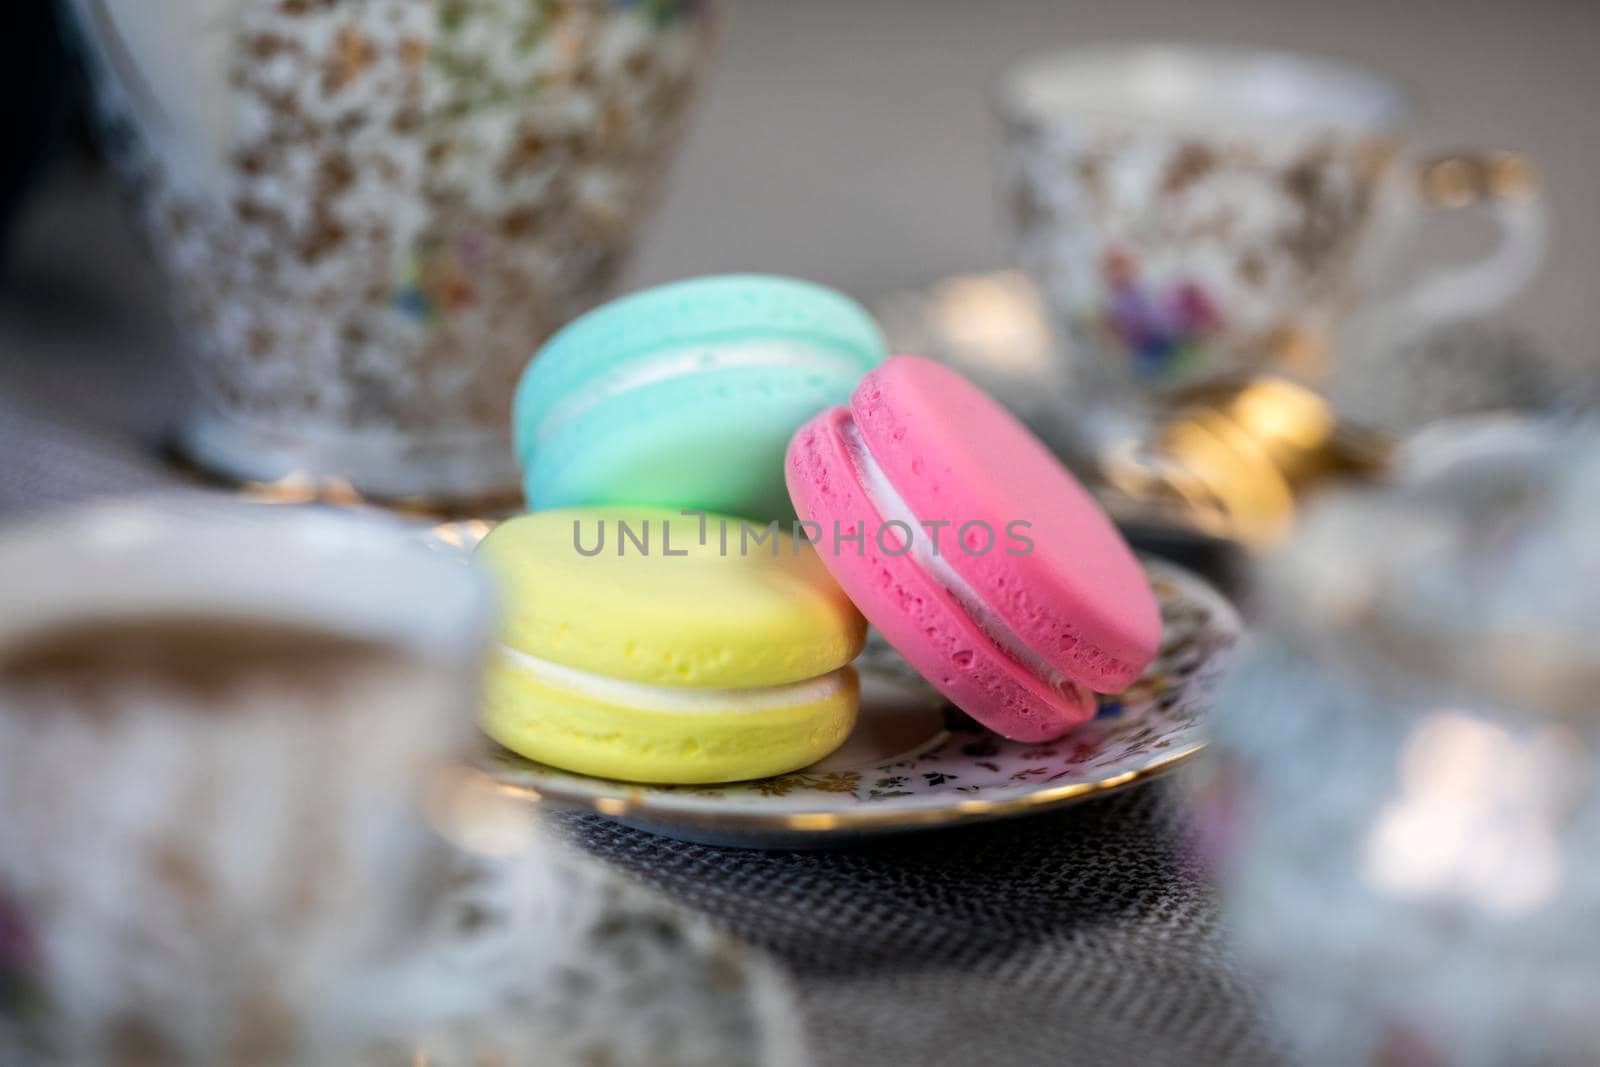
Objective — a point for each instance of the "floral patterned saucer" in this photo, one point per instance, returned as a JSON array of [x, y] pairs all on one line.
[[915, 762]]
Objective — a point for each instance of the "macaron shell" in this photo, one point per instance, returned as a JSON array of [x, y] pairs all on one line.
[[714, 310], [916, 614], [712, 441], [1079, 597], [757, 615], [564, 729]]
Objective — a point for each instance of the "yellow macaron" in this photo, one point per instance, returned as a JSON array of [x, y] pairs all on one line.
[[654, 646]]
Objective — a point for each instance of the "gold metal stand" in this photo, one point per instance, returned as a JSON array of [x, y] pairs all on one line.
[[1236, 460]]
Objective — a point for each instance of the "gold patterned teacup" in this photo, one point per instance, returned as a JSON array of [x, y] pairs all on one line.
[[371, 213], [1196, 215]]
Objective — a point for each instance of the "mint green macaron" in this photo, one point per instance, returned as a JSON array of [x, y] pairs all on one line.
[[686, 395]]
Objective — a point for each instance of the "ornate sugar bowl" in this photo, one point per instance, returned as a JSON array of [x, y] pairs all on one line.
[[1405, 801]]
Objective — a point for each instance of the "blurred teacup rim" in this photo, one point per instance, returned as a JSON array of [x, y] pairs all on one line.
[[1187, 83], [187, 556]]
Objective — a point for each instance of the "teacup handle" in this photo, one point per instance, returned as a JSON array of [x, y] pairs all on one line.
[[1508, 186]]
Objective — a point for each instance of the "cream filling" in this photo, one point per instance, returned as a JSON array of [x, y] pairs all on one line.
[[892, 507], [677, 699], [674, 363]]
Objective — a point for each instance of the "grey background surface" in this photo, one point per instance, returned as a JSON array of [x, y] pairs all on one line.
[[847, 140]]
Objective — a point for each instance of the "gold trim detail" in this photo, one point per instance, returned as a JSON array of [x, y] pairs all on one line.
[[635, 802], [330, 491], [1461, 180]]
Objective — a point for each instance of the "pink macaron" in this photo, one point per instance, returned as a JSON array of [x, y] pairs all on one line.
[[974, 552]]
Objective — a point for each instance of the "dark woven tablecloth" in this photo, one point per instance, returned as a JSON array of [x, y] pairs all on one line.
[[1085, 936]]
